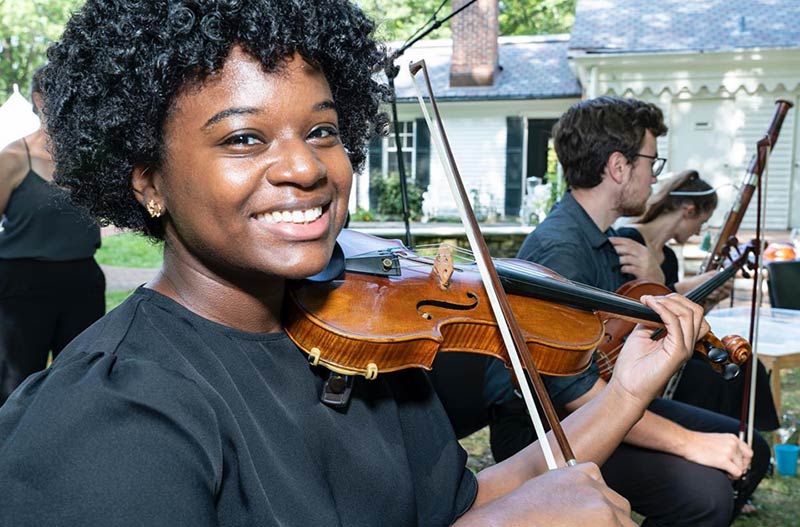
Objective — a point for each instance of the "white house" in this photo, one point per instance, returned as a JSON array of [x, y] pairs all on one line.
[[715, 68]]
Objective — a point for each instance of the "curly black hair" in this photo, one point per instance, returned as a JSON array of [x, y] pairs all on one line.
[[114, 75], [591, 130]]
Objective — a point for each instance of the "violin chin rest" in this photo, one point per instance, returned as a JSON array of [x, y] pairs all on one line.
[[334, 269]]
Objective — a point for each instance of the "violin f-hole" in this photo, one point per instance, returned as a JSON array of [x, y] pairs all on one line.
[[421, 305]]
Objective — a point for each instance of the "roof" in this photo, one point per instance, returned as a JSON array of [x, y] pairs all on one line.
[[648, 26], [533, 67]]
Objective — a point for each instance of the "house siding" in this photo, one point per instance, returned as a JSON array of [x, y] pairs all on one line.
[[722, 150], [478, 144], [477, 132]]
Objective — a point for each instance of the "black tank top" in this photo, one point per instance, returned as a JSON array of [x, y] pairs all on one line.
[[42, 224]]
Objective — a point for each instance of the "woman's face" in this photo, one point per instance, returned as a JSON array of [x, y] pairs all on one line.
[[256, 180], [690, 223]]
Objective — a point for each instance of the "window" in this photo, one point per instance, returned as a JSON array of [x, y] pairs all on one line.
[[389, 165]]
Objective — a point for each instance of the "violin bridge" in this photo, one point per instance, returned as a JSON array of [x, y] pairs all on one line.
[[443, 266]]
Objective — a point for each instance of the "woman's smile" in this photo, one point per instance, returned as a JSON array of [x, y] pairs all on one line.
[[296, 225]]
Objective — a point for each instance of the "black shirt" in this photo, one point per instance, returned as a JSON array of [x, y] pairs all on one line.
[[670, 264], [156, 416], [570, 243]]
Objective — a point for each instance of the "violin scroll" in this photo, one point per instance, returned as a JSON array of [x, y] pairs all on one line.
[[739, 349]]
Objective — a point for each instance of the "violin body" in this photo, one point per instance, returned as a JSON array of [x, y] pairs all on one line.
[[365, 324]]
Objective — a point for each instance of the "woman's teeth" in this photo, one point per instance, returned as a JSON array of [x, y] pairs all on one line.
[[291, 216]]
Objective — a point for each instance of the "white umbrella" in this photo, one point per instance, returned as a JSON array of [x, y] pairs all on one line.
[[16, 118]]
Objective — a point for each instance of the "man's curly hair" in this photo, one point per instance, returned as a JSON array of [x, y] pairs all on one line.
[[114, 75], [591, 130]]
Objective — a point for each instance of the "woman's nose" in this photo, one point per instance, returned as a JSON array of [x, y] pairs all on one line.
[[296, 162]]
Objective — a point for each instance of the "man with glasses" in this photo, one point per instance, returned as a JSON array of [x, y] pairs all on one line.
[[677, 464]]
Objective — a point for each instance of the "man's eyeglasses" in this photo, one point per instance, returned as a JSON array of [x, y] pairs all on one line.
[[657, 163]]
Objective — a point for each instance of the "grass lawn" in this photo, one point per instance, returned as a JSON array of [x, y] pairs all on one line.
[[115, 298], [129, 250]]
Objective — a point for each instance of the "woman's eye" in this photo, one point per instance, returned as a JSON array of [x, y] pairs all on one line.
[[325, 132], [242, 140]]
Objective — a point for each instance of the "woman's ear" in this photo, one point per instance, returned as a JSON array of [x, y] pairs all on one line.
[[145, 183], [38, 102], [689, 210]]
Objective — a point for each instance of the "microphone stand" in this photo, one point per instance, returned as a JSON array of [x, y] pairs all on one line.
[[391, 71]]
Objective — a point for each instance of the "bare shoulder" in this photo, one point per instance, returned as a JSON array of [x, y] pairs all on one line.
[[13, 164]]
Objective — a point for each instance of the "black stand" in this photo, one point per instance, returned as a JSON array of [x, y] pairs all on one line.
[[391, 73]]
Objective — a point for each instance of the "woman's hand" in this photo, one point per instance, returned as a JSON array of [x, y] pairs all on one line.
[[567, 497]]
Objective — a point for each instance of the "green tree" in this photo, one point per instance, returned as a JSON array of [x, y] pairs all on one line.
[[536, 17], [399, 19], [27, 28]]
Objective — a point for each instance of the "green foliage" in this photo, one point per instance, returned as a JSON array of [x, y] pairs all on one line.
[[362, 215], [27, 28], [557, 184], [399, 19], [390, 201], [115, 298], [536, 17], [130, 250]]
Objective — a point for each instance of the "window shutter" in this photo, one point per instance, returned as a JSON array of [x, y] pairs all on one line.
[[514, 138], [375, 169], [422, 142]]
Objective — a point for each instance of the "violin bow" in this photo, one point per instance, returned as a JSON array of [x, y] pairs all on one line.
[[747, 420], [509, 328]]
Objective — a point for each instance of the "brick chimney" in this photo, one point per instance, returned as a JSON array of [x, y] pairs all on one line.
[[475, 32]]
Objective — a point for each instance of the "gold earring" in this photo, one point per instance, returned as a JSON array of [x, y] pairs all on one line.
[[154, 208]]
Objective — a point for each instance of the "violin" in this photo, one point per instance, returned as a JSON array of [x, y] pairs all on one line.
[[737, 348], [384, 308], [404, 310]]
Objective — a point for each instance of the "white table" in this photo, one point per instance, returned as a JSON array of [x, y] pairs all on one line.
[[778, 338]]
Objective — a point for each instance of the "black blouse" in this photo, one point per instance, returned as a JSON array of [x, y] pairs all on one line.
[[156, 416]]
